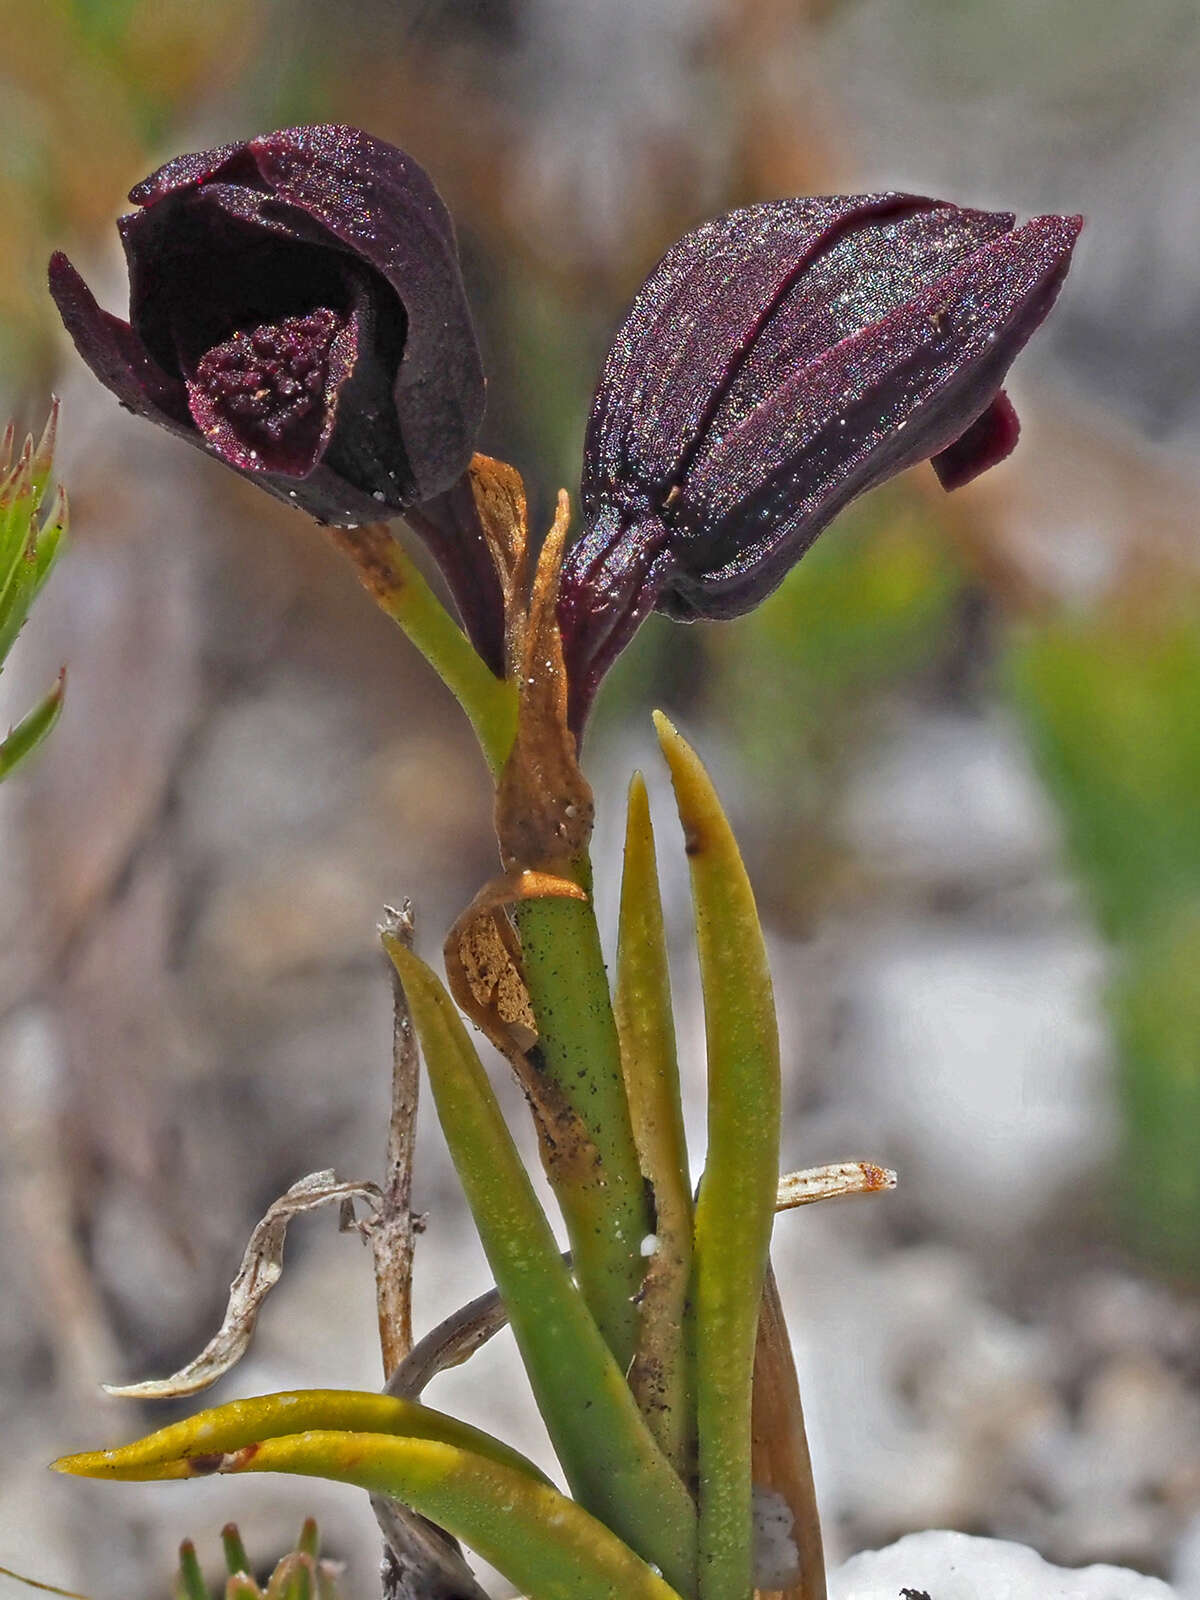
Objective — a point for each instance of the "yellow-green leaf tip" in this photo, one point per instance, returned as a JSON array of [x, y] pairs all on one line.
[[112, 1465], [86, 1465]]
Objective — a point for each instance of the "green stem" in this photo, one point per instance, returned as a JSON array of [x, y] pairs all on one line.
[[392, 578], [603, 1201]]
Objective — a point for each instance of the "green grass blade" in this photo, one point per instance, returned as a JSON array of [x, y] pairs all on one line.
[[24, 739], [659, 1377], [543, 1543], [27, 553], [609, 1456], [736, 1204]]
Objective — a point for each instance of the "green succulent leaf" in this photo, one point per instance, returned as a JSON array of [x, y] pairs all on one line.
[[736, 1204], [659, 1376], [186, 1449], [309, 1542], [609, 1456], [545, 1544], [293, 1579], [580, 1054]]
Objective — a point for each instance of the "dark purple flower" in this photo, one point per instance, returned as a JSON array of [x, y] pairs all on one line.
[[779, 361], [296, 309]]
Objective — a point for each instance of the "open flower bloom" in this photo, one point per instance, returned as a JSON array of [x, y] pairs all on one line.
[[777, 362], [296, 309]]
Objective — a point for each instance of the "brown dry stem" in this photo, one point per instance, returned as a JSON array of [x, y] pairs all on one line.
[[393, 1234], [780, 1447]]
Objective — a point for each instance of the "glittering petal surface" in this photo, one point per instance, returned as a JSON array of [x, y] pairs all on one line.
[[778, 362], [232, 163], [740, 302], [206, 262], [855, 280], [616, 571], [115, 354], [123, 365], [896, 392], [297, 310], [379, 204]]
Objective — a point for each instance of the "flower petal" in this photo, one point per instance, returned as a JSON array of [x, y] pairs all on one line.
[[231, 163], [989, 440], [777, 363], [121, 362], [857, 278], [689, 330], [611, 580], [116, 355], [209, 262], [380, 204], [318, 256], [892, 394]]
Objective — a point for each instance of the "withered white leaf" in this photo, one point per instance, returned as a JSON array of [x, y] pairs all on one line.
[[260, 1271]]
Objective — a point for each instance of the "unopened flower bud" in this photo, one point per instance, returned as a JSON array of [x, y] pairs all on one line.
[[779, 361]]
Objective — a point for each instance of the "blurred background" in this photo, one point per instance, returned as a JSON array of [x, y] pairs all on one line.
[[961, 746]]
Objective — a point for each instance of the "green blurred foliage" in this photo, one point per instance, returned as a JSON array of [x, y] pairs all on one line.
[[796, 686], [1156, 1013], [90, 93], [873, 601], [30, 542], [1110, 701]]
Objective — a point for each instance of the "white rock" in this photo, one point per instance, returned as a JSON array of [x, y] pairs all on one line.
[[956, 1566], [982, 1049], [950, 796]]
